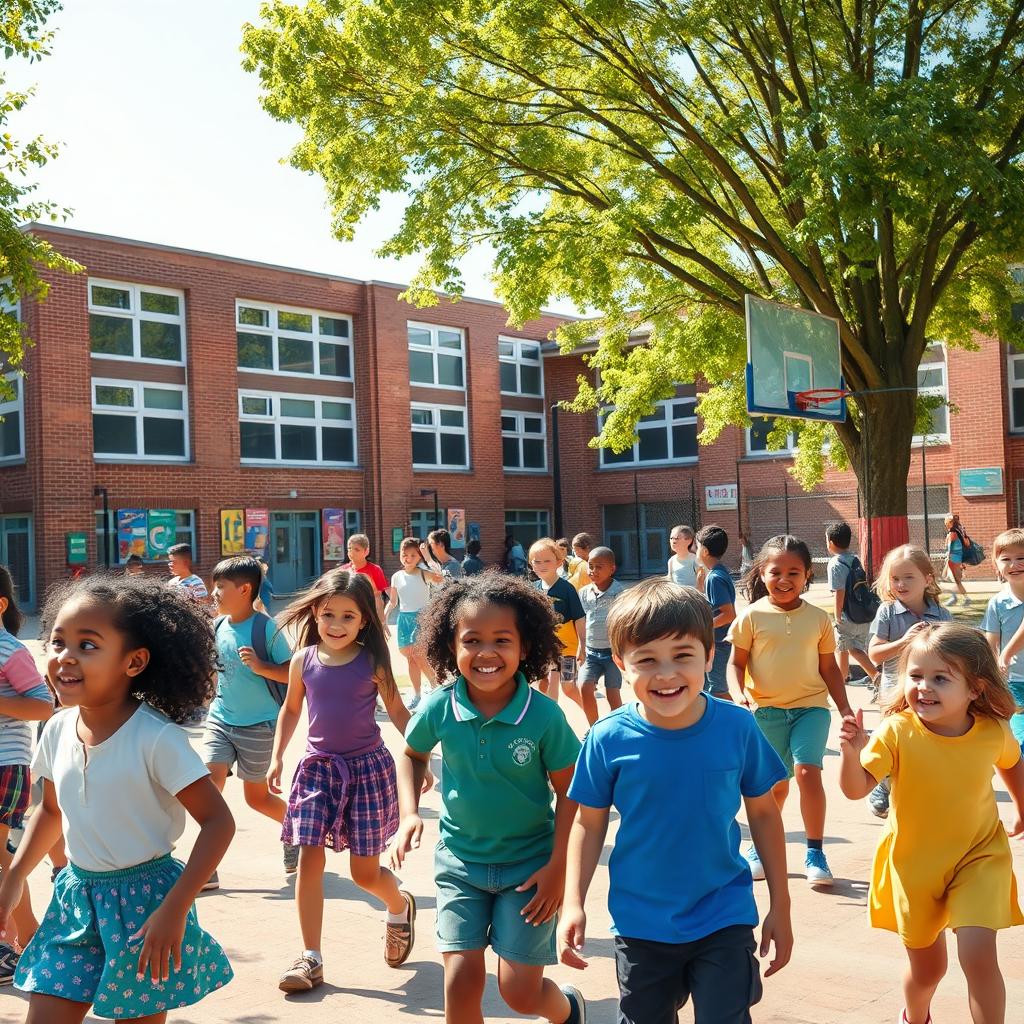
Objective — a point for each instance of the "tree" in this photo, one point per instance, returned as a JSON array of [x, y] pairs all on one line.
[[657, 160], [22, 35]]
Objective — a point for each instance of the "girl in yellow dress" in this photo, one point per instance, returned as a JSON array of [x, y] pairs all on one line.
[[944, 859]]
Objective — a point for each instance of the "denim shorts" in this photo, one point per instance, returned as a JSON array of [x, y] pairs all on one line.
[[716, 682], [408, 628], [797, 735], [599, 663], [478, 906]]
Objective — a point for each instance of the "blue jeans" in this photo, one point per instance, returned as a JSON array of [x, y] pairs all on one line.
[[716, 682]]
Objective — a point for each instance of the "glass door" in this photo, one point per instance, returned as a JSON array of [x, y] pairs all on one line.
[[16, 553]]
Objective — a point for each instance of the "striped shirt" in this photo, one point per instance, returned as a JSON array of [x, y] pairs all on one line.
[[19, 677]]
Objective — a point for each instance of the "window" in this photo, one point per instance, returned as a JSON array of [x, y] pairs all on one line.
[[421, 522], [757, 438], [1015, 378], [436, 356], [523, 442], [12, 419], [129, 321], [137, 420], [353, 521], [527, 525], [521, 369], [669, 434], [931, 380], [304, 429], [298, 343], [439, 437], [185, 533]]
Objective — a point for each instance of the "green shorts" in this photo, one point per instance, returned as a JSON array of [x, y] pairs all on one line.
[[478, 906], [797, 735]]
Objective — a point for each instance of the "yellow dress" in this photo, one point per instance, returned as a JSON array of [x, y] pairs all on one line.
[[944, 858]]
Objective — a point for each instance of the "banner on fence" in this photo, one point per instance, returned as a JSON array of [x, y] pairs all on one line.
[[161, 530]]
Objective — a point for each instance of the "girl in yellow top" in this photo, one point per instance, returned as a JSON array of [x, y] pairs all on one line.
[[943, 860], [783, 661]]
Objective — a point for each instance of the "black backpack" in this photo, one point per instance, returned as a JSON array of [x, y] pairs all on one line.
[[259, 645], [861, 601]]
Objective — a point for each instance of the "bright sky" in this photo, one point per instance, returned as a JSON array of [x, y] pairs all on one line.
[[164, 140]]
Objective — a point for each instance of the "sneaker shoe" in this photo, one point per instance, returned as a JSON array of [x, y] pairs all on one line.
[[291, 858], [950, 601], [754, 863], [577, 1005], [399, 938], [816, 868], [213, 882], [307, 972], [878, 799], [414, 703], [8, 963]]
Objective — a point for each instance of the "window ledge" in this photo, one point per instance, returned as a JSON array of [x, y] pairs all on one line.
[[139, 359], [14, 460], [768, 456], [462, 470], [283, 464], [525, 472], [664, 464], [135, 459]]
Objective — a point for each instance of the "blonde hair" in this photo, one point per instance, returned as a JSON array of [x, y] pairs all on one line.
[[546, 544], [1007, 539], [920, 560], [967, 650]]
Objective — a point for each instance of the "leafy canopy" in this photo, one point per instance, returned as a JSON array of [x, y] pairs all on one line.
[[656, 160]]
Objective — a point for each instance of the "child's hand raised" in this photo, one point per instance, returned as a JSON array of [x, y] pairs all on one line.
[[852, 734], [572, 930]]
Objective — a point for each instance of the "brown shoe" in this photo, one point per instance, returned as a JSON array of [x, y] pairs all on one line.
[[304, 974], [399, 938]]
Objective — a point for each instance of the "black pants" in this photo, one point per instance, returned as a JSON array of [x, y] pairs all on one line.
[[719, 971]]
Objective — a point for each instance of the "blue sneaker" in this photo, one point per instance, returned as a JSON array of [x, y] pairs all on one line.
[[754, 863], [816, 868]]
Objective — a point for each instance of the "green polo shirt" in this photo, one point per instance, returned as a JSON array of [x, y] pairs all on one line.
[[498, 805]]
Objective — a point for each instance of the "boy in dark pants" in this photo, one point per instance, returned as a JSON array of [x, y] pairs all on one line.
[[719, 589]]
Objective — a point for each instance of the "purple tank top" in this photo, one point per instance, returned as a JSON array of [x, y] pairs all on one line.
[[340, 701]]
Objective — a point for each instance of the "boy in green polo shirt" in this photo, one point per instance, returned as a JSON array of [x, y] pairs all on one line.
[[500, 863]]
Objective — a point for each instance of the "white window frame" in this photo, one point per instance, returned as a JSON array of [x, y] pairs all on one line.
[[136, 314], [436, 430], [667, 405], [938, 389], [318, 421], [518, 361], [542, 515], [16, 406], [139, 412], [786, 452], [520, 434], [435, 350], [276, 334], [1013, 359]]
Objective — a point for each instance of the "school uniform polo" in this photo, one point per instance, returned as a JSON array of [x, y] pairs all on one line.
[[497, 801], [893, 619]]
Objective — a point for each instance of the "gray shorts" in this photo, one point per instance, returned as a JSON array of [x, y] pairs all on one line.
[[598, 664], [851, 636], [247, 746]]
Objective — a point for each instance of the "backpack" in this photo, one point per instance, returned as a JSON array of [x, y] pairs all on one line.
[[974, 553], [861, 601], [259, 645]]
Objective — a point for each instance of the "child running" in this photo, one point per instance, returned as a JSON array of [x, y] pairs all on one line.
[[943, 860], [545, 560], [128, 658], [594, 655], [343, 792], [784, 649], [410, 591], [910, 602], [500, 863]]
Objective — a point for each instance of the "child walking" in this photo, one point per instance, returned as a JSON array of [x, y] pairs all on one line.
[[783, 662], [500, 862], [546, 560], [1003, 622], [682, 566], [594, 655], [943, 860], [128, 659], [410, 591], [910, 601], [343, 793]]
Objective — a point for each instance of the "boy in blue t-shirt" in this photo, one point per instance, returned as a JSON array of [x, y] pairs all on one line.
[[719, 589], [675, 765]]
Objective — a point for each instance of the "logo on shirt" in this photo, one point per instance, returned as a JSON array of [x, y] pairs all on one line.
[[523, 750]]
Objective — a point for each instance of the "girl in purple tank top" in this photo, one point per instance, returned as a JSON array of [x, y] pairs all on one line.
[[344, 793]]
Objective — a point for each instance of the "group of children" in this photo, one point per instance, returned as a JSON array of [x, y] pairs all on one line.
[[525, 805]]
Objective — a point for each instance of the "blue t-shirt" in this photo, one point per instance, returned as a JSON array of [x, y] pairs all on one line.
[[1003, 617], [242, 696], [676, 873], [720, 590]]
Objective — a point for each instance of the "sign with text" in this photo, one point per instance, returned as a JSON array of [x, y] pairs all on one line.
[[257, 531], [720, 496], [977, 483], [232, 532], [77, 547]]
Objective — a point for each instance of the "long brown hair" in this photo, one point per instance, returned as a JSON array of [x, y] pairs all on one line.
[[302, 612]]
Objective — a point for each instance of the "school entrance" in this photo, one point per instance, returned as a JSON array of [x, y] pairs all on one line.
[[16, 553], [294, 550]]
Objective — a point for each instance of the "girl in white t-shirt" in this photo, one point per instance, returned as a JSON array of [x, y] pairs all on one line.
[[682, 566], [128, 659], [410, 590]]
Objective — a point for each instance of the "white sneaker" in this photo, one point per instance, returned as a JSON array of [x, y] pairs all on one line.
[[754, 863], [816, 868]]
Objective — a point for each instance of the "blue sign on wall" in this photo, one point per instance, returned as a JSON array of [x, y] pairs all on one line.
[[975, 483]]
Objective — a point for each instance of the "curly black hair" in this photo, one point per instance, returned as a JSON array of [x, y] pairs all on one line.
[[177, 632], [535, 618]]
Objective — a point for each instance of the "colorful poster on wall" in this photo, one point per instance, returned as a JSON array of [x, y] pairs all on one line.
[[334, 534], [457, 526], [232, 532], [162, 526], [257, 531], [131, 533], [474, 531]]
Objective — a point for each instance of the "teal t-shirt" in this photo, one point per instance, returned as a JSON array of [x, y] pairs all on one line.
[[498, 805], [242, 696]]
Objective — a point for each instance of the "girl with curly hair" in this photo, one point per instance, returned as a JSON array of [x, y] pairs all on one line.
[[500, 864], [128, 658]]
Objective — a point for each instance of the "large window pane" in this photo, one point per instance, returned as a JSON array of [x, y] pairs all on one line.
[[334, 326], [110, 335], [508, 378], [255, 351], [107, 394], [421, 368], [163, 436], [336, 410], [449, 371], [612, 458], [510, 453], [258, 441], [161, 398], [154, 302], [684, 440], [653, 445], [10, 435], [114, 298], [294, 322], [1018, 408], [298, 443], [160, 341], [113, 435], [337, 444], [449, 339], [533, 454], [419, 337], [451, 417], [760, 428], [424, 449], [334, 360], [295, 355], [302, 407], [530, 376], [453, 450]]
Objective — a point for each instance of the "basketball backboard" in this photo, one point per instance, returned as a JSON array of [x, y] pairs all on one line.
[[791, 350]]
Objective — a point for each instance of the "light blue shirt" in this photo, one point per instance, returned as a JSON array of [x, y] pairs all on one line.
[[242, 696], [675, 873], [596, 606], [1003, 617], [892, 620]]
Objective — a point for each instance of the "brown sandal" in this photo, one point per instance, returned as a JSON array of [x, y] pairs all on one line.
[[400, 938]]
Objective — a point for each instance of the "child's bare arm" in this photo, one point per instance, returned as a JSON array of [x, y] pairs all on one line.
[[1013, 779], [586, 841], [1013, 647], [854, 779], [412, 768], [736, 674], [768, 834], [26, 709], [287, 720], [836, 686]]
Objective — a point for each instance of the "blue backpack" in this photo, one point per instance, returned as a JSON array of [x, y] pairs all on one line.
[[259, 645], [862, 602]]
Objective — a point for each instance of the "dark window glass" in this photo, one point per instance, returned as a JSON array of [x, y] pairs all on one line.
[[510, 453], [294, 322], [1018, 408], [533, 454], [509, 382], [258, 441], [451, 417], [115, 298], [113, 435], [255, 351], [611, 458], [110, 335], [653, 445], [337, 444], [334, 361], [684, 440], [760, 428], [424, 449], [295, 355], [253, 317], [298, 443], [154, 302], [163, 437], [334, 326], [160, 341], [530, 376], [453, 450], [421, 367], [10, 434], [449, 370]]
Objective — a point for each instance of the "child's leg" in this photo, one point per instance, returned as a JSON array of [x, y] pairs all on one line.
[[368, 874], [589, 701], [409, 653], [525, 989], [464, 979], [43, 1009], [613, 685], [218, 774], [24, 921], [808, 737], [722, 975], [421, 660], [862, 659], [843, 659], [812, 800], [554, 684], [986, 991], [260, 799], [309, 894], [924, 972]]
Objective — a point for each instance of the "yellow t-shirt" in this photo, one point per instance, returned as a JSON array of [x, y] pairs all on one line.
[[944, 859], [578, 575], [782, 670]]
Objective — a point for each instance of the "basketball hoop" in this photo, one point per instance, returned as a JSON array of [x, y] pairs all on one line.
[[815, 398]]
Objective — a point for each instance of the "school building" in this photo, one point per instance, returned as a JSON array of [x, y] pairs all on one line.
[[174, 395]]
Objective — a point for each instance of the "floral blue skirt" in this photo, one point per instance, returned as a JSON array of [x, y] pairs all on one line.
[[81, 950]]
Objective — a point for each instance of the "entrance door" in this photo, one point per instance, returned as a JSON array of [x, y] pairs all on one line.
[[16, 554], [295, 550]]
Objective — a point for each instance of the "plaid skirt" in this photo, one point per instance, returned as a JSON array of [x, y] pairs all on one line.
[[15, 786], [345, 803]]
